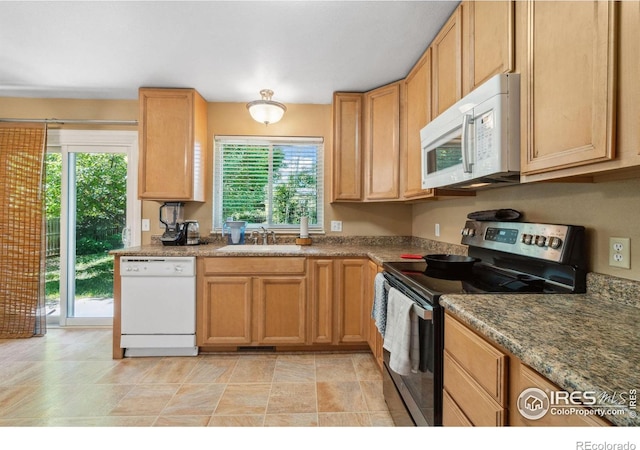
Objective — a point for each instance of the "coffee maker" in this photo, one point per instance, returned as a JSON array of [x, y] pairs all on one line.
[[172, 217]]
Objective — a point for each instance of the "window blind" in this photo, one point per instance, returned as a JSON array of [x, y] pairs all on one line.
[[270, 182]]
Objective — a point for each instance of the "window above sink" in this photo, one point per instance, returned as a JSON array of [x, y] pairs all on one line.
[[269, 181]]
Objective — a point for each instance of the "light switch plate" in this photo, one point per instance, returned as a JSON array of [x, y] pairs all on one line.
[[620, 252], [145, 224]]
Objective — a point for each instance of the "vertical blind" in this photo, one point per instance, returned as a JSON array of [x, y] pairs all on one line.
[[268, 181], [22, 243]]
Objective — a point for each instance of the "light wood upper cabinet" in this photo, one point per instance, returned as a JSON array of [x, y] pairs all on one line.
[[347, 147], [173, 139], [488, 41], [382, 142], [418, 115], [446, 51], [568, 84], [628, 120]]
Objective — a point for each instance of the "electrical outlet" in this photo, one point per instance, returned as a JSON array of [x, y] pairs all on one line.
[[620, 252], [437, 230], [336, 225], [145, 225]]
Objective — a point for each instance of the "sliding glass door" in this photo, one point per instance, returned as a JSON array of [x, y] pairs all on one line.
[[91, 208]]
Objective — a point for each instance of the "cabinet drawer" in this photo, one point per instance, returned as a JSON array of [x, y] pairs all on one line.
[[484, 362], [452, 415], [254, 265], [528, 378], [476, 404]]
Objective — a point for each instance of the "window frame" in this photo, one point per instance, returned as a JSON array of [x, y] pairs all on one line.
[[270, 141]]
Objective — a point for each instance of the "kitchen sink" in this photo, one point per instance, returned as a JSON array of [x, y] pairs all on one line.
[[251, 248]]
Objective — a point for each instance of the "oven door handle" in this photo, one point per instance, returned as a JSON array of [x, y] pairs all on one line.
[[424, 314]]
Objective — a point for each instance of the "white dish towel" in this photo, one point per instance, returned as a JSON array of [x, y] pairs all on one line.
[[401, 337]]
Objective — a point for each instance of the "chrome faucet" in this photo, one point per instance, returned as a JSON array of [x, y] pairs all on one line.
[[264, 235]]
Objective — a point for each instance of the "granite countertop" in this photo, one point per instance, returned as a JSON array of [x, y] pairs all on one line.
[[379, 250], [581, 342]]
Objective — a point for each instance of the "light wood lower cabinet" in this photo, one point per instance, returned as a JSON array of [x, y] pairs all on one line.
[[251, 301], [338, 290], [224, 310], [351, 281], [374, 338], [282, 301], [474, 378], [321, 274], [483, 384], [524, 377]]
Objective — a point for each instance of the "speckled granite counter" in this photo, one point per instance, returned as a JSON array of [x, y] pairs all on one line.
[[585, 342], [380, 250]]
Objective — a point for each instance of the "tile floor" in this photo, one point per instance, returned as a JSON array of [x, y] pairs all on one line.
[[67, 378]]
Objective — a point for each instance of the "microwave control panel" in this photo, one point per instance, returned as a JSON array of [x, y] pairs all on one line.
[[485, 135]]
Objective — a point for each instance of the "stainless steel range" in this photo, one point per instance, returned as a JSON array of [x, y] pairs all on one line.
[[503, 257]]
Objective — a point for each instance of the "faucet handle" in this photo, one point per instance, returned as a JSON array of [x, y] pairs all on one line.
[[254, 236], [273, 236]]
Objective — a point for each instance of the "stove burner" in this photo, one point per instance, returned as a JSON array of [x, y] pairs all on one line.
[[526, 283]]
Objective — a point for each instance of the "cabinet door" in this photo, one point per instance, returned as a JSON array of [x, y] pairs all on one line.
[[321, 295], [447, 65], [568, 84], [382, 143], [347, 147], [472, 400], [418, 114], [280, 313], [523, 378], [452, 415], [172, 144], [373, 336], [224, 311], [491, 40], [352, 280]]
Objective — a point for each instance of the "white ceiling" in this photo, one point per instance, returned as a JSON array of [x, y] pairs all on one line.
[[227, 50]]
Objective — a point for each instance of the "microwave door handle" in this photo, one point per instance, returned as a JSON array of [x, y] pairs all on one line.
[[467, 120]]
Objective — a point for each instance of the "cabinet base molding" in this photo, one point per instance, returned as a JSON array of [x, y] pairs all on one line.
[[342, 348]]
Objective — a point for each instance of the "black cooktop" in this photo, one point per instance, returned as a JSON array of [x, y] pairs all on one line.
[[480, 278]]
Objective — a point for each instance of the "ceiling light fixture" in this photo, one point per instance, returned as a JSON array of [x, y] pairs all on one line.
[[266, 110]]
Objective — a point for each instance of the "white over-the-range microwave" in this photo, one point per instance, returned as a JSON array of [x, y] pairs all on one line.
[[475, 143]]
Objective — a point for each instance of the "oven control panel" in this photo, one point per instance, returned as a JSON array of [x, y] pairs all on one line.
[[536, 240]]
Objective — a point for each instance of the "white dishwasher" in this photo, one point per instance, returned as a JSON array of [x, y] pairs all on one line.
[[158, 306]]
